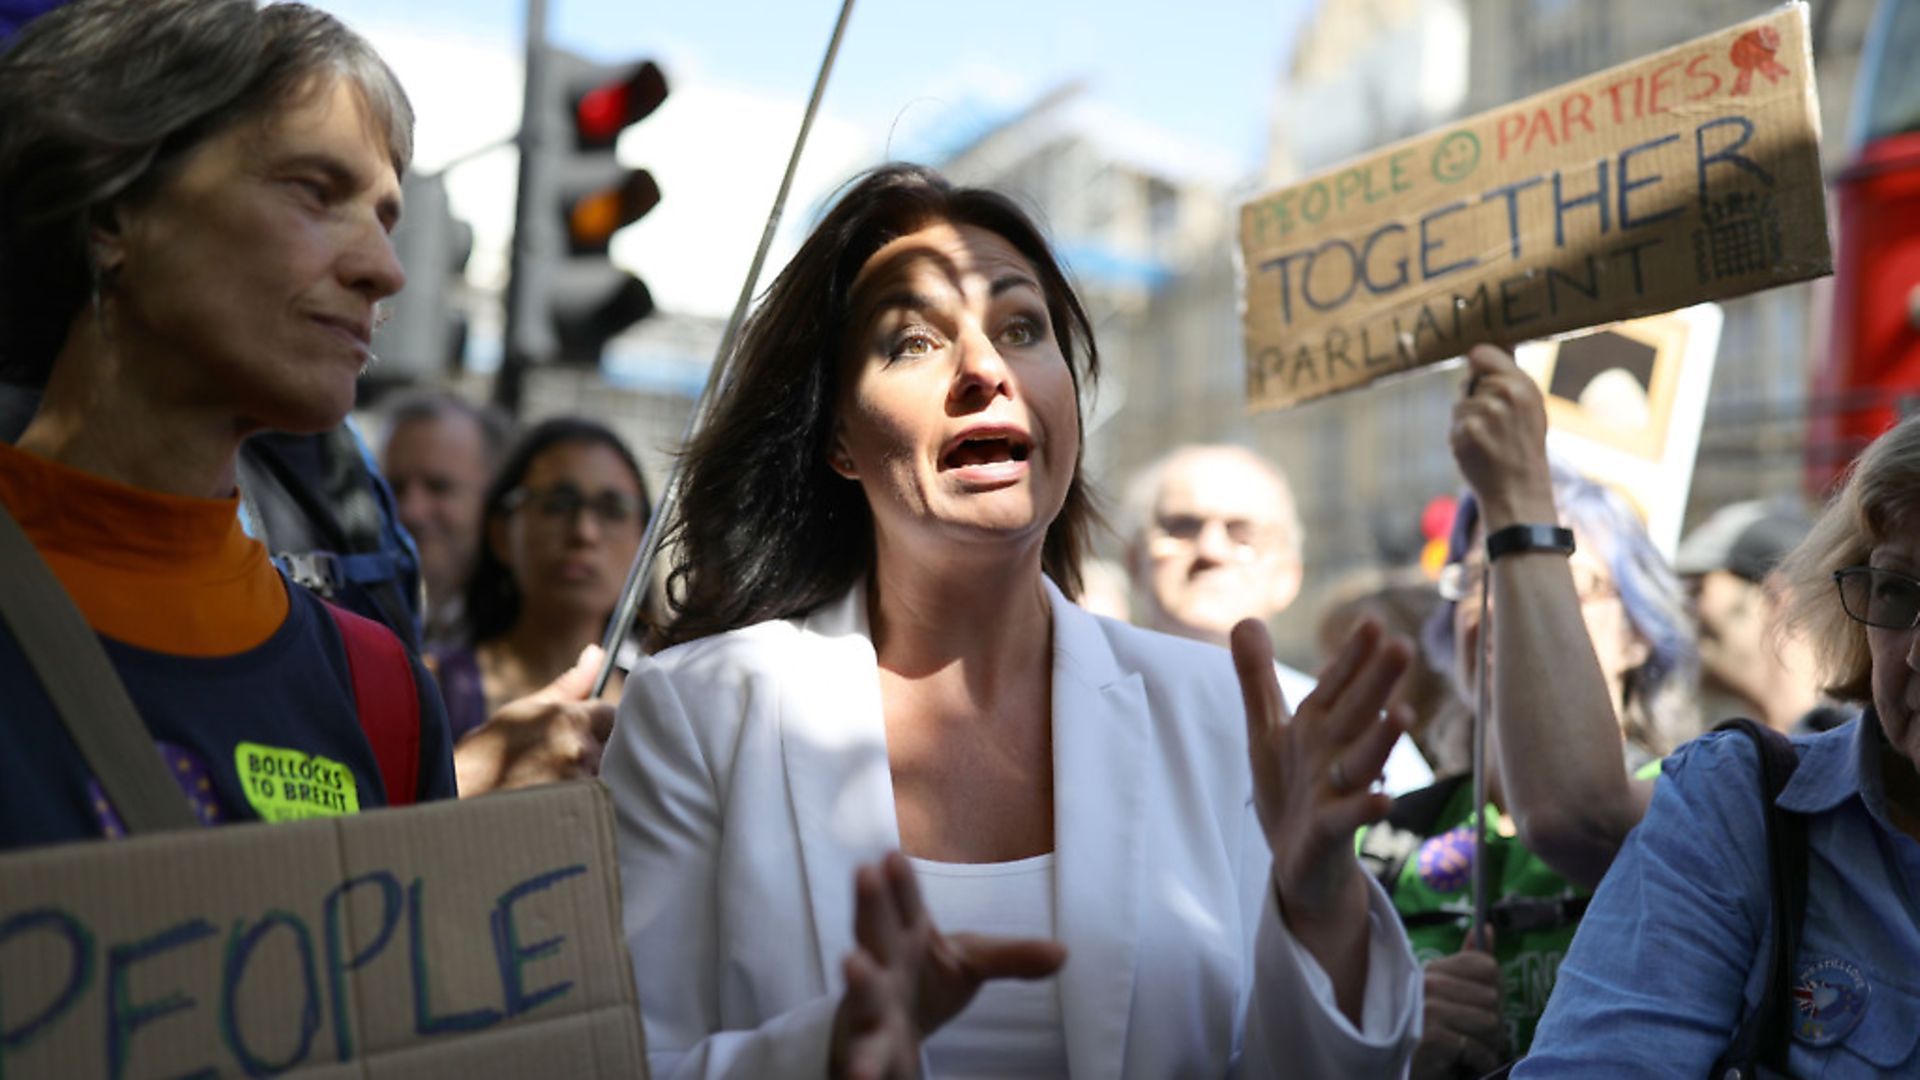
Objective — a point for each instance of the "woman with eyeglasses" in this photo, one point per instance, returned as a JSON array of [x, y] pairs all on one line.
[[562, 523], [1591, 656], [1674, 952]]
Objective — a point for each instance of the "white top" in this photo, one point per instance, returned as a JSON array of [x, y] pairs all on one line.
[[1012, 1028], [750, 779]]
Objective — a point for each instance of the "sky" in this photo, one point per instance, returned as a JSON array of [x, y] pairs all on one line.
[[909, 77]]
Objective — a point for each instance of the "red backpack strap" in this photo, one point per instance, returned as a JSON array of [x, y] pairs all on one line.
[[387, 699]]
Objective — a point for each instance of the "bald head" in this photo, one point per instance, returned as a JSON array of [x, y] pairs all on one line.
[[1214, 538]]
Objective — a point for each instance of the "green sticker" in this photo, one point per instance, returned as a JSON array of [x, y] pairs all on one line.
[[290, 785]]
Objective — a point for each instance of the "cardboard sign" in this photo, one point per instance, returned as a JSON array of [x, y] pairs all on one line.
[[1690, 175], [456, 940], [1625, 404]]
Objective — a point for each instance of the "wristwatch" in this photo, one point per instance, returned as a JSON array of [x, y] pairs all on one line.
[[1519, 538]]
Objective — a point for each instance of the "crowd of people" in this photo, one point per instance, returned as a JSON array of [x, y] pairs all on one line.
[[890, 799]]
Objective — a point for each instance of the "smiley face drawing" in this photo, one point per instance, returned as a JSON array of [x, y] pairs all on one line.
[[1456, 157]]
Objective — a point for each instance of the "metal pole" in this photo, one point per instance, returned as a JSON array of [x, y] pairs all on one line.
[[1483, 715], [507, 381], [642, 569]]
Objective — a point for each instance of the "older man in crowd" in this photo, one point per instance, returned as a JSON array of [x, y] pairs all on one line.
[[440, 455], [1214, 537]]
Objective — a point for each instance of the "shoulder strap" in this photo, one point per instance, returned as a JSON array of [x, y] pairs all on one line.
[[86, 690], [1761, 1041], [387, 699]]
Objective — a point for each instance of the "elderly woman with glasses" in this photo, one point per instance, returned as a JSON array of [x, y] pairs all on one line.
[[1675, 951], [1590, 662], [562, 522]]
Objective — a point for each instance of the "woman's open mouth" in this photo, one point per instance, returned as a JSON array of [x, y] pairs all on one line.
[[988, 455]]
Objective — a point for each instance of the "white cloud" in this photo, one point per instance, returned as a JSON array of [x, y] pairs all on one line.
[[718, 154]]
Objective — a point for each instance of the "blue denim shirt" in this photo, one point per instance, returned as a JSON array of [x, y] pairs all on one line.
[[1668, 959]]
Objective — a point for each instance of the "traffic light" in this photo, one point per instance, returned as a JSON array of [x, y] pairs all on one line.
[[425, 333], [565, 299]]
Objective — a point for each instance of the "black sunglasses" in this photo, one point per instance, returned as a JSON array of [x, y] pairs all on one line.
[[1887, 599]]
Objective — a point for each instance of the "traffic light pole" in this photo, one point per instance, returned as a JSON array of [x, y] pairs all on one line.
[[642, 570], [509, 379]]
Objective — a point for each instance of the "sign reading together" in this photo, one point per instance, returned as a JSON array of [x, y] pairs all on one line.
[[1689, 175]]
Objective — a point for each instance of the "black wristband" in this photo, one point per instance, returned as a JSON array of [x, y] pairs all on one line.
[[1516, 538]]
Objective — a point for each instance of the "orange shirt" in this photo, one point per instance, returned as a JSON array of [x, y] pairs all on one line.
[[161, 572]]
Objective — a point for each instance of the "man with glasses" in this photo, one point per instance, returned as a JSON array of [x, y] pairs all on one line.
[[1214, 537]]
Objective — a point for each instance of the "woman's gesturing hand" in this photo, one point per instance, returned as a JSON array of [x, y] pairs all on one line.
[[905, 978], [1313, 772], [1499, 440], [1312, 787]]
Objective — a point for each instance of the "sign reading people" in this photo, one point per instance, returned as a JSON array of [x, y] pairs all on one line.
[[462, 940], [1689, 175]]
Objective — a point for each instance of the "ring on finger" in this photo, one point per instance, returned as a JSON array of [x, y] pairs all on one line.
[[1338, 775]]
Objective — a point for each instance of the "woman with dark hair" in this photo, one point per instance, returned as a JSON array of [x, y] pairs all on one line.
[[561, 523], [883, 521], [196, 198]]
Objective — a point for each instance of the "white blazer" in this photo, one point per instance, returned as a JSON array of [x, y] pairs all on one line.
[[750, 777]]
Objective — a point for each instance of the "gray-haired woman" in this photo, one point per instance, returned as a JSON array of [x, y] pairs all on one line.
[[196, 198], [1691, 897]]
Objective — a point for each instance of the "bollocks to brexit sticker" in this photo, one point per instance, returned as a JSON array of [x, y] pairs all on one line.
[[291, 785]]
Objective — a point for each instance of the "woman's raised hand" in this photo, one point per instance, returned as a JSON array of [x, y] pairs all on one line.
[[1313, 778], [1499, 439], [905, 978]]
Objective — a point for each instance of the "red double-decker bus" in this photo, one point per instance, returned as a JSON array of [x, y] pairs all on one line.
[[1871, 373]]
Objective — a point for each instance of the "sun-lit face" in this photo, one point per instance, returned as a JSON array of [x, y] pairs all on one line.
[[245, 286], [572, 530], [958, 416], [1896, 653], [1216, 548]]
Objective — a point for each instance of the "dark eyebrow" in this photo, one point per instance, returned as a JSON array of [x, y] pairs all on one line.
[[1007, 282], [900, 298]]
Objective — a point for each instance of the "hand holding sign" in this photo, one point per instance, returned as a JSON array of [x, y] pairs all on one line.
[[1687, 175], [1499, 440], [546, 737]]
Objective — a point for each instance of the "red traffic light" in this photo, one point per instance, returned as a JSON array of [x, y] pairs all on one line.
[[602, 112]]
